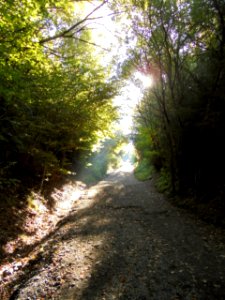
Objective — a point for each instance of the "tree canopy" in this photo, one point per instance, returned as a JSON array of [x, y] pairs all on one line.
[[55, 96], [181, 44]]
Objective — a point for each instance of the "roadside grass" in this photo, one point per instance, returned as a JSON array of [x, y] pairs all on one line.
[[144, 170]]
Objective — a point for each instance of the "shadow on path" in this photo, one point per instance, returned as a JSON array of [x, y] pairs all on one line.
[[126, 242]]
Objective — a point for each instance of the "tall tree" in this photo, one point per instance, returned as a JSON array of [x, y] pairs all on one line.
[[181, 44], [55, 97]]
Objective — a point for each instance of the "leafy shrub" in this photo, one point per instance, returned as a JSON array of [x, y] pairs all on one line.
[[144, 170], [163, 182]]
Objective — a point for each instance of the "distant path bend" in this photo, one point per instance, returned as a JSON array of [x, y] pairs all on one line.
[[124, 241]]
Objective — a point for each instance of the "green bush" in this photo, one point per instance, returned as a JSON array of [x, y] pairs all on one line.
[[163, 182], [144, 170]]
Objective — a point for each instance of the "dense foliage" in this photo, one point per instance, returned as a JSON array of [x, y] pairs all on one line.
[[181, 44], [55, 98], [108, 156]]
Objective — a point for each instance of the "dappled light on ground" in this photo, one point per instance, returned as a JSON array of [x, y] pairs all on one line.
[[122, 240], [31, 225], [65, 197]]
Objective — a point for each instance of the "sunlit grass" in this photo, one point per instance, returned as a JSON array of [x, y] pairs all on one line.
[[144, 170]]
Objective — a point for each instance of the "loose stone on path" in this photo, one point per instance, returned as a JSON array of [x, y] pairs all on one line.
[[123, 240]]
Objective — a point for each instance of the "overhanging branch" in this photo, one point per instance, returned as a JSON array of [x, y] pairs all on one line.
[[74, 26]]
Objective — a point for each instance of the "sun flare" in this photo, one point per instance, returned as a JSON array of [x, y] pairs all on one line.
[[146, 80], [106, 32]]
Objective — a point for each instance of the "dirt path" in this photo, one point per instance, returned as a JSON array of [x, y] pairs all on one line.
[[124, 241]]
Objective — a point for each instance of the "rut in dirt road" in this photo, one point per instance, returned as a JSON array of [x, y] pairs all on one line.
[[123, 240]]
